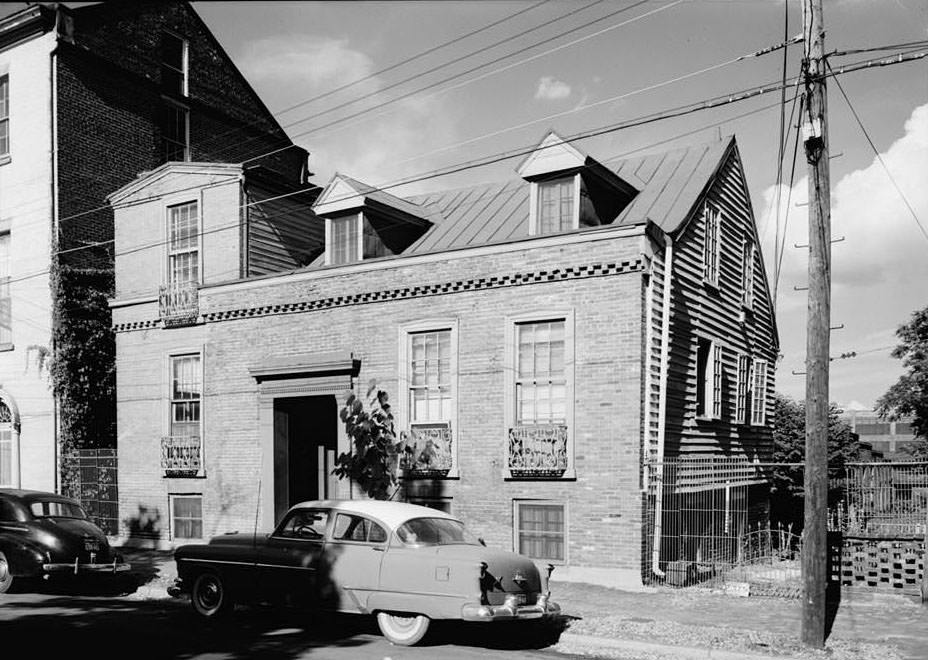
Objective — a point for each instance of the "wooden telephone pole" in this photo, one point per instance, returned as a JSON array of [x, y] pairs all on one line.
[[815, 139]]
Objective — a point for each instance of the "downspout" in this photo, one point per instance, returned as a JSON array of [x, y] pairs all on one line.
[[53, 246], [662, 408]]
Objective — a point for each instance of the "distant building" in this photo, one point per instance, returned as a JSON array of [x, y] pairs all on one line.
[[887, 437], [90, 97], [543, 341]]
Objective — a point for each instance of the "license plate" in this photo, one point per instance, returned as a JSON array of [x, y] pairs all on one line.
[[91, 545], [521, 599]]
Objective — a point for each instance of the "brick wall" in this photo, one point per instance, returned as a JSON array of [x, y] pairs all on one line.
[[604, 514]]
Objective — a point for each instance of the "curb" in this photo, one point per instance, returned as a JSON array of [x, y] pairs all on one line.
[[688, 652]]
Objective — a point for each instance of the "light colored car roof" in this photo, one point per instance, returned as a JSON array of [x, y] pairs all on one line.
[[393, 514]]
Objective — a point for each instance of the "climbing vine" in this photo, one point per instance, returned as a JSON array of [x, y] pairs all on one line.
[[83, 368]]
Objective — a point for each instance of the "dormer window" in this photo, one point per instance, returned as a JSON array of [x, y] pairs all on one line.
[[348, 245], [557, 205]]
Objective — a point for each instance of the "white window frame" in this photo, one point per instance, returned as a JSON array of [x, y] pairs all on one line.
[[5, 116], [403, 414], [516, 523], [759, 378], [358, 218], [184, 71], [743, 388], [168, 206], [172, 497], [6, 292], [749, 250], [535, 191], [167, 389], [509, 389], [711, 379], [712, 244]]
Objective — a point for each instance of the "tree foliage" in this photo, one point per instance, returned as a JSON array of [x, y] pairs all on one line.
[[789, 446], [909, 395], [373, 459]]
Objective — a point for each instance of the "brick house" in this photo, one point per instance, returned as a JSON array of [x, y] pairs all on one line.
[[522, 332], [90, 97]]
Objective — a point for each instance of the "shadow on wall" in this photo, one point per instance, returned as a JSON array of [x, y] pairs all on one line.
[[144, 529]]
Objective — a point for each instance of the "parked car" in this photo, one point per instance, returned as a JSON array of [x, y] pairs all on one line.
[[44, 534], [405, 564]]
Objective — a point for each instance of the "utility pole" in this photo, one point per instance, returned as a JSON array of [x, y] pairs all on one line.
[[815, 139]]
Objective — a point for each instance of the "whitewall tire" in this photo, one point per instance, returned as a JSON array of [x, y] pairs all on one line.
[[403, 629], [6, 574]]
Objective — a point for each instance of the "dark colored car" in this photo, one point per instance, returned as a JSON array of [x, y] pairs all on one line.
[[405, 564], [44, 534]]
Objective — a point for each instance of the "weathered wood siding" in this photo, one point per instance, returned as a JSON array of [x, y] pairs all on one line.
[[283, 232], [699, 310]]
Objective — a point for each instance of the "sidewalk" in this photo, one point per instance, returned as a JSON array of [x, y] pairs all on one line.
[[690, 624]]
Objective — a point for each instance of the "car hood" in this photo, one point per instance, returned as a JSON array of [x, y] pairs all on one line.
[[515, 572], [239, 538]]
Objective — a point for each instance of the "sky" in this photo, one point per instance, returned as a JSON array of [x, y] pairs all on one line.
[[576, 66]]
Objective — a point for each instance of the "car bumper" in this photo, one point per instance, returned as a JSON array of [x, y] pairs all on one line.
[[510, 611], [76, 568]]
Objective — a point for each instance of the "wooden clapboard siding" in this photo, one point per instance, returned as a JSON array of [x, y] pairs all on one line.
[[283, 232], [700, 310]]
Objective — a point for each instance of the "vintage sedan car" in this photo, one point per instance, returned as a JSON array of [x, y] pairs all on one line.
[[405, 564], [44, 534]]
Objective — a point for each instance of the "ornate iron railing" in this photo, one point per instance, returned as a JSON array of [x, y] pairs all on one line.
[[181, 455], [429, 450], [179, 303], [538, 450]]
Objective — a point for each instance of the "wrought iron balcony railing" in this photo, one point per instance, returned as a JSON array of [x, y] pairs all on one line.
[[428, 450], [179, 303], [181, 455], [538, 451]]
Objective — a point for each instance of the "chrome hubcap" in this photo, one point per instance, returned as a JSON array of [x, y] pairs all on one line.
[[210, 595]]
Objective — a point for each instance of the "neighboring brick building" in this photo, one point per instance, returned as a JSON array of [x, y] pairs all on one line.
[[518, 328], [90, 97]]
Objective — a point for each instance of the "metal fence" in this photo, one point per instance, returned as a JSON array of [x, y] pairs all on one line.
[[89, 476], [707, 523], [883, 500]]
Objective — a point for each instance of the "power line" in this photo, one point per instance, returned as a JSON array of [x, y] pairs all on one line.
[[879, 157], [413, 58]]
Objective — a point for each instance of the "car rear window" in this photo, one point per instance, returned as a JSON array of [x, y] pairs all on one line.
[[435, 531], [56, 509]]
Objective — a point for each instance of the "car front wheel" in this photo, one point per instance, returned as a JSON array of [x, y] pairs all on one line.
[[6, 574], [209, 596], [403, 629]]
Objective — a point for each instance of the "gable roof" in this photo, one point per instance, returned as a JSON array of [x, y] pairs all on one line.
[[343, 193]]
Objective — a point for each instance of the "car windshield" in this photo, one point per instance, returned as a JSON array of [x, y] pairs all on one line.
[[435, 531], [56, 509]]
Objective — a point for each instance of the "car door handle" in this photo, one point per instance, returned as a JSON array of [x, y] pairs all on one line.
[[378, 549]]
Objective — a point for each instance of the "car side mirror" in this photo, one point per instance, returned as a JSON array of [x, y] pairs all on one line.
[[482, 542]]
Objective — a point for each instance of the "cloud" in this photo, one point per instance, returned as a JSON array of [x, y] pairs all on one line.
[[879, 270], [550, 89], [288, 70]]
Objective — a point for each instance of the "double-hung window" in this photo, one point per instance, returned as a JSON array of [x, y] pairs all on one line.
[[759, 392], [540, 530], [187, 516], [539, 442], [175, 132], [186, 395], [6, 299], [747, 273], [428, 369], [174, 64], [184, 244], [711, 244], [343, 242], [4, 116], [743, 389], [556, 203]]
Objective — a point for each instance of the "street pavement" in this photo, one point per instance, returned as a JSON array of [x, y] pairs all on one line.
[[600, 623]]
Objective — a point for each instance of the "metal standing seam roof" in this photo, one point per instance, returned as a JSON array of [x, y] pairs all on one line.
[[669, 183]]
